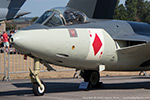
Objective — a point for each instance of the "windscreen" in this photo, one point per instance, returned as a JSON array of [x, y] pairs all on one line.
[[44, 17], [55, 20]]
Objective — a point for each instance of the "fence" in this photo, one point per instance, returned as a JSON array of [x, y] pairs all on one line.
[[14, 62], [2, 63]]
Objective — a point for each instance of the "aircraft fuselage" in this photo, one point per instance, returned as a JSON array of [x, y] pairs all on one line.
[[79, 46]]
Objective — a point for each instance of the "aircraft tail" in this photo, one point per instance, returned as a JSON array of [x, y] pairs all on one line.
[[100, 9]]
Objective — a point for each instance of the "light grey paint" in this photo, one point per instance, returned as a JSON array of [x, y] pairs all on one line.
[[131, 58], [9, 8], [3, 13], [53, 47], [114, 58], [4, 3], [117, 29]]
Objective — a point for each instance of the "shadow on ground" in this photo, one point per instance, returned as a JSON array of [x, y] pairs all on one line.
[[55, 87]]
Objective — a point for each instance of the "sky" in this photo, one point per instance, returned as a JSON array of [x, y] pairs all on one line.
[[38, 7]]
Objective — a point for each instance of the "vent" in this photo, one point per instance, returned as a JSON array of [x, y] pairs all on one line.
[[61, 55]]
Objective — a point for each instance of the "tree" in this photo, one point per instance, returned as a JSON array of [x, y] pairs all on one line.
[[116, 12], [122, 13], [10, 26], [141, 10], [34, 19], [131, 7], [146, 14], [134, 10]]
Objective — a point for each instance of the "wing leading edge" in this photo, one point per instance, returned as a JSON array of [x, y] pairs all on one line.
[[9, 8]]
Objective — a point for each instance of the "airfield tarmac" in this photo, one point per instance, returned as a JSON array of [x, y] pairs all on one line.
[[114, 88]]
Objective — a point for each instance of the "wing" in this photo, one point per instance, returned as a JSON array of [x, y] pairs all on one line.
[[138, 38], [100, 9], [11, 4], [9, 8], [139, 32], [139, 54]]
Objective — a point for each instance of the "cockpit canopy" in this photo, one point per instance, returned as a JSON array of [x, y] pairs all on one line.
[[62, 16]]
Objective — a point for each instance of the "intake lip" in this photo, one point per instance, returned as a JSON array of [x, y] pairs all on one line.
[[12, 40]]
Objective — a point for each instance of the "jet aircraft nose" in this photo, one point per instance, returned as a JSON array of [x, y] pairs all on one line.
[[30, 42], [15, 38], [18, 40]]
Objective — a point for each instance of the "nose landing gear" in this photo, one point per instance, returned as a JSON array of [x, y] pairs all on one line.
[[38, 85], [91, 76], [37, 90]]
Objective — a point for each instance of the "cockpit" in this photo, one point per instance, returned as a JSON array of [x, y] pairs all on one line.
[[62, 16]]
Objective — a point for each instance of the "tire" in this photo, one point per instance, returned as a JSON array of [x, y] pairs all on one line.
[[94, 78], [37, 90], [91, 76]]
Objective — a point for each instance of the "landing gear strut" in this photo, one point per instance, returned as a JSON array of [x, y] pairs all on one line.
[[91, 76], [38, 85]]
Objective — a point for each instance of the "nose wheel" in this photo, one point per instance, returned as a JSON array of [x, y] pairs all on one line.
[[37, 84], [37, 90]]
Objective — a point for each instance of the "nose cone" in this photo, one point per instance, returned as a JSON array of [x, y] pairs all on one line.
[[18, 40], [28, 41]]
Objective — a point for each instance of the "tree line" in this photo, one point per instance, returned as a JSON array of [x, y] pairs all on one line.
[[133, 10]]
